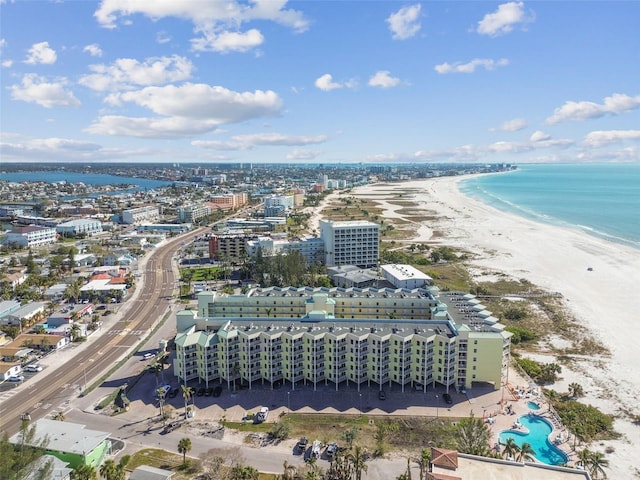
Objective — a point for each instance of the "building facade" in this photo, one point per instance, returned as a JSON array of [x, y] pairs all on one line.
[[351, 243], [32, 236], [193, 213], [404, 276], [147, 213], [79, 226], [305, 336]]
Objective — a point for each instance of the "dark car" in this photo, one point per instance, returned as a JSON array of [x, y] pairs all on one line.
[[208, 392], [200, 392], [301, 446], [173, 393], [447, 398], [382, 395], [170, 427], [217, 391]]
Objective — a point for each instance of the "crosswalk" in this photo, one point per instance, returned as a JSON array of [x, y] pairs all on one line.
[[125, 331]]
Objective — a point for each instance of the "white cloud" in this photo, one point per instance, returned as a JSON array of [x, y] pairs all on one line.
[[613, 105], [163, 37], [249, 141], [405, 23], [383, 79], [511, 125], [3, 43], [539, 136], [128, 73], [326, 83], [599, 138], [7, 63], [186, 110], [94, 50], [225, 42], [217, 21], [34, 89], [470, 67], [41, 53], [298, 154], [503, 19]]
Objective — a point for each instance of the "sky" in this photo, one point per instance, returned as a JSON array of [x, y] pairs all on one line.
[[219, 81]]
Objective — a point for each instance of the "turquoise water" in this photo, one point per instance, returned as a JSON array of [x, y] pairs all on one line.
[[533, 406], [538, 438], [602, 200]]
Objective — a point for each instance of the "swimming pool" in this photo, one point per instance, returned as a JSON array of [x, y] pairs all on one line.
[[533, 406], [538, 438]]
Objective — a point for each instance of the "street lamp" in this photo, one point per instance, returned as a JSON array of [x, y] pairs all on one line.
[[437, 408], [289, 401], [360, 403]]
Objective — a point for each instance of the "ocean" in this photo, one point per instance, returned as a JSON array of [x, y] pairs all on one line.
[[601, 200]]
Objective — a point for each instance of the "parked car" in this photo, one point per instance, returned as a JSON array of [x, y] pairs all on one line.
[[170, 427], [382, 395], [208, 392], [200, 392], [33, 368], [315, 449], [166, 388], [148, 356], [262, 415], [301, 446], [173, 393], [16, 378], [447, 398], [217, 391], [332, 449]]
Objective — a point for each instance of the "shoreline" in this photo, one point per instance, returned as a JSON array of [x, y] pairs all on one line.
[[557, 259]]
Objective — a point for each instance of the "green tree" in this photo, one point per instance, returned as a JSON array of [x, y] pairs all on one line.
[[526, 453], [19, 462], [423, 462], [575, 390], [112, 471], [472, 436], [184, 446], [350, 436], [511, 449], [84, 472], [187, 394], [242, 472], [357, 461]]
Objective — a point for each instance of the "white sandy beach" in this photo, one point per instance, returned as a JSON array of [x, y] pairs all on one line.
[[557, 259]]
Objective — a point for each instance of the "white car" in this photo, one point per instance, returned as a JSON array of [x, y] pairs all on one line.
[[166, 388], [33, 368], [261, 416], [16, 378]]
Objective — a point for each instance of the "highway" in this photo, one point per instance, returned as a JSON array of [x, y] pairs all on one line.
[[154, 299]]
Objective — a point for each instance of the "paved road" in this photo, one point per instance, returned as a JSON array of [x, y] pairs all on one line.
[[46, 392]]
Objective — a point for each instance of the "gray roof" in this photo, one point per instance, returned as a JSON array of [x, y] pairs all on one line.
[[65, 436], [145, 472]]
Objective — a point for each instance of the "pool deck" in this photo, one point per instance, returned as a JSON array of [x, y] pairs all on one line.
[[515, 405]]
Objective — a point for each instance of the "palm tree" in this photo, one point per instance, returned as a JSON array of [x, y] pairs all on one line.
[[59, 416], [526, 453], [84, 472], [156, 368], [575, 390], [423, 462], [358, 462], [161, 393], [184, 446], [596, 465], [108, 470], [511, 448], [187, 394], [472, 436]]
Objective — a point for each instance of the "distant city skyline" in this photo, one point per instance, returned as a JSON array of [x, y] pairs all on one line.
[[319, 82]]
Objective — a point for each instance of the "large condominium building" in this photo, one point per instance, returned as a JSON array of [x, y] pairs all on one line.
[[311, 248], [79, 226], [146, 214], [193, 213], [229, 201], [351, 243], [305, 336], [31, 236], [232, 247], [278, 205]]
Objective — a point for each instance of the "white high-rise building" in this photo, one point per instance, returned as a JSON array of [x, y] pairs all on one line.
[[351, 243]]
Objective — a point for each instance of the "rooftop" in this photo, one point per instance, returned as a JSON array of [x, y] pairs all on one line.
[[65, 436]]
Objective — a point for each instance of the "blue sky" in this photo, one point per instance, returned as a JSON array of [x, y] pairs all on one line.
[[319, 81]]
